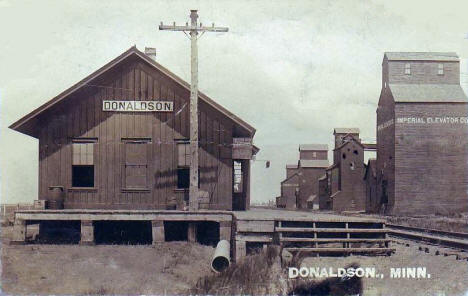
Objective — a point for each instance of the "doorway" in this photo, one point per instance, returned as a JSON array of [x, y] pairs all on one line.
[[240, 184]]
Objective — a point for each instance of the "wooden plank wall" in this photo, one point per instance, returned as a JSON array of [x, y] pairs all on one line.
[[386, 147], [82, 116], [423, 72], [431, 160]]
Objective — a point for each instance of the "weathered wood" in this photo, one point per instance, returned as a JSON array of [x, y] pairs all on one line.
[[341, 250], [81, 116], [157, 230], [192, 232], [87, 233], [225, 229], [19, 232], [261, 238], [409, 152], [334, 230], [133, 215], [255, 226], [334, 240], [240, 249]]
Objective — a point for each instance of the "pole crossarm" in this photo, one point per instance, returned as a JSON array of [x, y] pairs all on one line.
[[190, 28]]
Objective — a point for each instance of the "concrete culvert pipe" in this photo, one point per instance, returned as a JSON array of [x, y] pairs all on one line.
[[221, 257]]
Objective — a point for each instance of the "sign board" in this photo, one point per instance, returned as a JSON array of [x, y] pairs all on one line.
[[138, 106]]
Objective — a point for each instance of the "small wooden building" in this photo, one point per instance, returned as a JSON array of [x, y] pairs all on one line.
[[422, 131], [119, 139]]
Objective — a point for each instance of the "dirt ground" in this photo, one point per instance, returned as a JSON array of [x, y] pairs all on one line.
[[174, 268], [168, 269]]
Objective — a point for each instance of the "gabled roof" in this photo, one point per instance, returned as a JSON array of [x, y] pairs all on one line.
[[135, 52], [347, 140], [422, 56], [428, 93], [346, 130], [313, 163], [313, 147], [295, 175]]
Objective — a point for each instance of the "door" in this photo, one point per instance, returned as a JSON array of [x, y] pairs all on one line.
[[239, 182]]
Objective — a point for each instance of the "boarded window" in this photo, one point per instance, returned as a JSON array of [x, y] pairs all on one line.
[[183, 154], [407, 68], [183, 164], [238, 182], [136, 163], [440, 70], [83, 163]]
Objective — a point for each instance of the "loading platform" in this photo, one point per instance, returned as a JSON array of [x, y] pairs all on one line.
[[305, 232], [310, 232]]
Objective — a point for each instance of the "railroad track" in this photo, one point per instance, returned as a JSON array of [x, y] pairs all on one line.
[[453, 240]]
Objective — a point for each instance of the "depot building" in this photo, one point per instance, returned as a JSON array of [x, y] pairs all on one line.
[[119, 139]]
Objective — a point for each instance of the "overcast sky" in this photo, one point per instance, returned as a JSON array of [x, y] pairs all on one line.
[[292, 69]]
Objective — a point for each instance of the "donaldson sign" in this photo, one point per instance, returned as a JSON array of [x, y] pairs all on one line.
[[138, 106]]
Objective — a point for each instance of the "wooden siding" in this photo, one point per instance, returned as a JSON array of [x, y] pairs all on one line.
[[431, 160], [386, 147], [422, 72], [288, 191], [308, 184], [81, 116], [310, 155], [351, 195], [290, 172]]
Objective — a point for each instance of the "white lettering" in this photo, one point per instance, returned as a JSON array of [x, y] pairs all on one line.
[[138, 106], [293, 272], [395, 272]]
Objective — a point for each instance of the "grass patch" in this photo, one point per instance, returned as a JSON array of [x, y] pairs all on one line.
[[251, 276]]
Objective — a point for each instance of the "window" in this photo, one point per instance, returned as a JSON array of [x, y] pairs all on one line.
[[238, 182], [440, 70], [183, 164], [183, 154], [314, 154], [83, 163], [408, 68], [135, 173]]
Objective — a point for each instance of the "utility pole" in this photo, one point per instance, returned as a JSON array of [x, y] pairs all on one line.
[[193, 30]]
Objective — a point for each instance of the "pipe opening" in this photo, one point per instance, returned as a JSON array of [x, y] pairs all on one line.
[[220, 263]]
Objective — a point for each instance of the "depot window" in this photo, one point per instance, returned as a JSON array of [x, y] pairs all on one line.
[[440, 70], [407, 68], [183, 164], [83, 163]]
